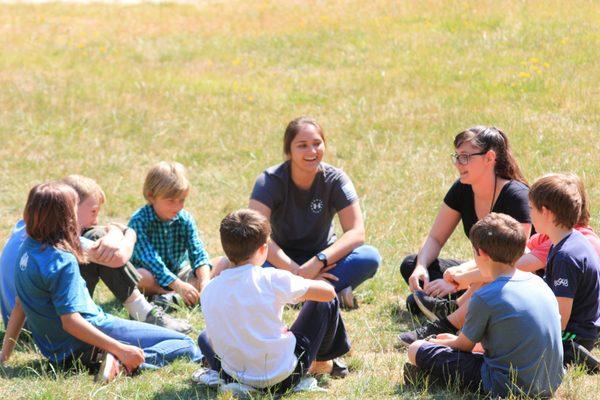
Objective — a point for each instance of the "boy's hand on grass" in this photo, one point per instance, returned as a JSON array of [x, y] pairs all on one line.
[[188, 292], [130, 356]]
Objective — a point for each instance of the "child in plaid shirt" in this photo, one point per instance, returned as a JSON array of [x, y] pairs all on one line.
[[168, 254]]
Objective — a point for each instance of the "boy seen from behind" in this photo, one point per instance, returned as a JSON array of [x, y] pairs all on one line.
[[245, 339], [521, 337], [573, 266]]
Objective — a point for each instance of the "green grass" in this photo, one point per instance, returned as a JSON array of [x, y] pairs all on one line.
[[106, 91]]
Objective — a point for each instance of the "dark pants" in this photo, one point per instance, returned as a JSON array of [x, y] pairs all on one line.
[[443, 365], [436, 269], [320, 335], [120, 281]]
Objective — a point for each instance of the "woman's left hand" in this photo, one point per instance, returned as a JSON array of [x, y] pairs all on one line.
[[439, 288]]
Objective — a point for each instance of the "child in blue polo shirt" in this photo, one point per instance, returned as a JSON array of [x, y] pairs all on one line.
[[573, 266], [66, 325], [168, 253]]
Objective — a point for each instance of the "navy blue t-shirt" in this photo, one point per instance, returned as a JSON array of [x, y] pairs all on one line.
[[512, 200], [573, 271], [302, 220]]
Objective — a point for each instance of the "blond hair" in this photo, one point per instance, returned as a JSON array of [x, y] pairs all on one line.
[[85, 188], [167, 180]]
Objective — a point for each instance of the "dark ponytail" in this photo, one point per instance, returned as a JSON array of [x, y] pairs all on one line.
[[492, 138]]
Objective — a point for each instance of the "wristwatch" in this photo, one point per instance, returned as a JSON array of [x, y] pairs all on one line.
[[323, 258]]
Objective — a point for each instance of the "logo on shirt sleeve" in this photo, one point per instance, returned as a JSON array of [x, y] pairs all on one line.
[[316, 206], [23, 262], [561, 282]]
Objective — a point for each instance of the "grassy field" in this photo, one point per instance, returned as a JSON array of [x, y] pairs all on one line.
[[106, 91]]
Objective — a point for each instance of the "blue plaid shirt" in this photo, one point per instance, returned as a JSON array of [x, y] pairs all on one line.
[[163, 247]]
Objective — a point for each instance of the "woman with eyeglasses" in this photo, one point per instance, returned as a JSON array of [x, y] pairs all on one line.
[[489, 180]]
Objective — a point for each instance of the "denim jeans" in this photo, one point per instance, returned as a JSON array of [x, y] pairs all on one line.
[[351, 270], [160, 345]]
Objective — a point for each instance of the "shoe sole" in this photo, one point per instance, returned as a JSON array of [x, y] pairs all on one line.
[[106, 374], [426, 311]]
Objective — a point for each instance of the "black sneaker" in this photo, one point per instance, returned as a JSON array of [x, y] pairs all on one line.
[[411, 306], [434, 308], [427, 330]]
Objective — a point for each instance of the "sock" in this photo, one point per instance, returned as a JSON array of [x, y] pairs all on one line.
[[137, 306]]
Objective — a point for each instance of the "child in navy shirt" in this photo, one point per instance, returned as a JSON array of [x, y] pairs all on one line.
[[573, 266]]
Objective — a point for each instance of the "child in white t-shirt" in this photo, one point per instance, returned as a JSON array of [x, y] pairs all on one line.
[[245, 338]]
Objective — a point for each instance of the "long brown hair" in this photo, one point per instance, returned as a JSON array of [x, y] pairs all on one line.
[[294, 127], [51, 218], [491, 138]]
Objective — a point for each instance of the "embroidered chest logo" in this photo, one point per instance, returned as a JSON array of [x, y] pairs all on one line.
[[561, 282], [23, 262], [316, 206]]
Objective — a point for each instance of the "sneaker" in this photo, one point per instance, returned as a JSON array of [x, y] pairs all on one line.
[[339, 370], [110, 368], [207, 377], [434, 308], [427, 330], [157, 317], [346, 299], [582, 356], [168, 301], [411, 305]]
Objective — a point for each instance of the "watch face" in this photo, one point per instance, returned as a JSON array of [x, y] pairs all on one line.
[[321, 257]]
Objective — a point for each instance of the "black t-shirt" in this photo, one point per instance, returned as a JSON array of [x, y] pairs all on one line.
[[513, 200], [302, 220], [573, 271]]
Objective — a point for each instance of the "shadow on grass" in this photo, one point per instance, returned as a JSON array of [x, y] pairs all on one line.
[[112, 306]]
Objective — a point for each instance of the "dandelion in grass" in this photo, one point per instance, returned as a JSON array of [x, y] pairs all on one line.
[[525, 75]]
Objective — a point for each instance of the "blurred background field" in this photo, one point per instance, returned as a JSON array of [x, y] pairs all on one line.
[[107, 90]]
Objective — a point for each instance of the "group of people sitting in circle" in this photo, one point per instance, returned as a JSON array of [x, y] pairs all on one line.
[[495, 325]]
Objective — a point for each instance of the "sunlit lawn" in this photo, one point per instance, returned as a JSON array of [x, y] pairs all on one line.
[[106, 91]]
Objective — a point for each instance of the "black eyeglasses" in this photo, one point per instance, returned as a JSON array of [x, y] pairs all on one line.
[[463, 159]]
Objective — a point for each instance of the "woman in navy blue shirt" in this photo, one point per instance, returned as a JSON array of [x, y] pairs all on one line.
[[300, 197]]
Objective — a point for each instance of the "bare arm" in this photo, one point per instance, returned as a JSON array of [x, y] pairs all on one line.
[[565, 306], [352, 224], [529, 263], [115, 248], [460, 342], [443, 226], [13, 330], [276, 256], [77, 326], [319, 291]]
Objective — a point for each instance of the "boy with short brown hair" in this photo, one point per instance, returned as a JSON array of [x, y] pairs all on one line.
[[245, 339], [528, 363], [573, 267]]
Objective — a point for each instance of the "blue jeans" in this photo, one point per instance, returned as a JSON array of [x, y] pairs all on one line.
[[160, 345], [351, 270]]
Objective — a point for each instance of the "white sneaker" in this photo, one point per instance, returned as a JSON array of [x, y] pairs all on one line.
[[207, 377]]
